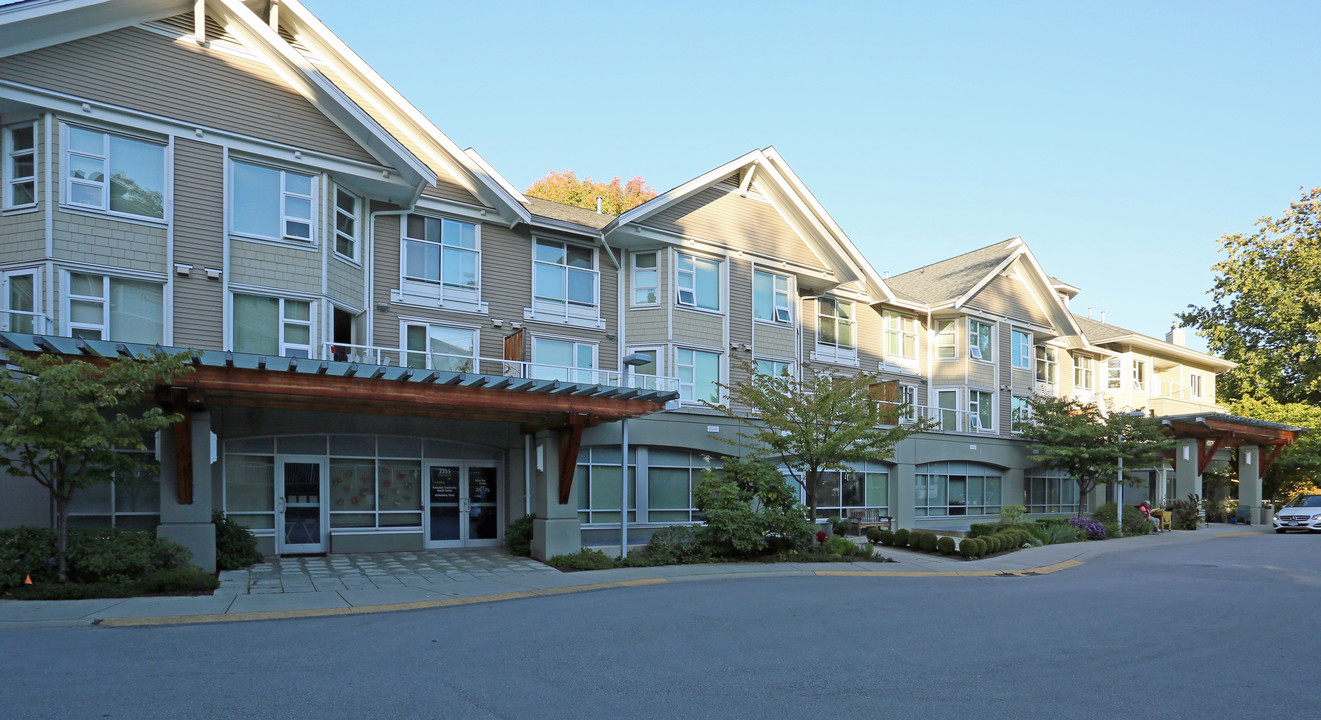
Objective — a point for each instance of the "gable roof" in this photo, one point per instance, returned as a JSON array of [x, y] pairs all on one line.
[[1099, 333], [567, 213], [949, 279]]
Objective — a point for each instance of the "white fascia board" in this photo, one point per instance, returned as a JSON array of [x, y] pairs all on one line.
[[29, 26], [1049, 286], [500, 179], [299, 72], [903, 304], [1162, 348], [960, 301], [678, 193], [479, 179]]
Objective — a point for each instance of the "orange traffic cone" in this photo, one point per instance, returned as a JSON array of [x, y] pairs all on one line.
[[27, 579]]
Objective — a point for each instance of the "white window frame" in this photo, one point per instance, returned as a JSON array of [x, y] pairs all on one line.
[[282, 321], [575, 373], [902, 329], [1114, 373], [285, 193], [836, 351], [38, 321], [547, 306], [68, 181], [1084, 367], [688, 390], [1195, 384], [1021, 349], [686, 280], [974, 346], [438, 288], [940, 411], [908, 395], [1048, 365], [775, 366], [975, 409], [10, 157], [781, 305], [947, 339], [1139, 376], [67, 298], [1020, 413], [353, 237], [406, 353], [657, 353], [635, 286]]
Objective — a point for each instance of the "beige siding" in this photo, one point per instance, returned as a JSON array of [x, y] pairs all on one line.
[[740, 300], [1005, 363], [776, 341], [646, 326], [724, 217], [345, 283], [1009, 297], [699, 328], [187, 83], [24, 237], [104, 240], [871, 330], [198, 232], [274, 266]]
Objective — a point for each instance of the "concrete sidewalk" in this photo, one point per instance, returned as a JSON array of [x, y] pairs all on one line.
[[347, 585]]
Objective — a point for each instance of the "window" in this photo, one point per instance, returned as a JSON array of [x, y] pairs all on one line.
[[1112, 373], [980, 411], [271, 203], [908, 396], [564, 279], [645, 375], [1021, 346], [272, 326], [599, 483], [839, 492], [698, 282], [979, 341], [563, 360], [1195, 384], [671, 476], [115, 173], [770, 298], [1047, 365], [1083, 372], [956, 488], [1049, 491], [346, 224], [438, 347], [131, 500], [947, 402], [836, 330], [106, 308], [442, 255], [775, 368], [1020, 413], [18, 302], [699, 373], [900, 336], [18, 148], [646, 279], [946, 340], [1139, 375]]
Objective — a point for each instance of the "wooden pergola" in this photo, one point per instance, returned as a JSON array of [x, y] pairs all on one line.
[[1214, 431]]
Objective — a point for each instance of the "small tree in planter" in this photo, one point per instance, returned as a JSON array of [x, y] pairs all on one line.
[[68, 423]]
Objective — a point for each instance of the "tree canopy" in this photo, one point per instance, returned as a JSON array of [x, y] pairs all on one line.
[[818, 424], [1296, 468], [1083, 441], [616, 196], [1265, 312]]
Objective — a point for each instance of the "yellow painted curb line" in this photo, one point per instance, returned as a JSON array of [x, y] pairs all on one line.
[[366, 609], [1044, 570], [1236, 534]]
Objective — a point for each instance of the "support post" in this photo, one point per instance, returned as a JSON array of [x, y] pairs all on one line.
[[1187, 474], [556, 530], [189, 523], [1249, 485]]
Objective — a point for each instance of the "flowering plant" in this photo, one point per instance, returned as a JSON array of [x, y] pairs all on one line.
[[1094, 529], [821, 536]]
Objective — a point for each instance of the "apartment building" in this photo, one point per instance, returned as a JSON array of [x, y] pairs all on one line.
[[397, 350]]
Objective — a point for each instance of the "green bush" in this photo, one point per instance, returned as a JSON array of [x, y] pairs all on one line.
[[968, 547], [1052, 521], [236, 546], [183, 579], [120, 556], [886, 536], [1187, 513], [873, 535], [980, 548], [26, 551], [901, 537], [518, 536], [1012, 515], [585, 559], [673, 545], [840, 526], [977, 530], [844, 547], [72, 591], [1135, 523], [928, 542], [750, 510], [946, 546]]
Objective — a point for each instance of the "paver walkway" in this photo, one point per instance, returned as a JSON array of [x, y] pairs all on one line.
[[372, 571]]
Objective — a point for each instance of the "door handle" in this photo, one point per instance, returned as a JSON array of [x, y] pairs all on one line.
[[281, 504]]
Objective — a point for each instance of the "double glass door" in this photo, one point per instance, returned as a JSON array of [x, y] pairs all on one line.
[[463, 504], [300, 511]]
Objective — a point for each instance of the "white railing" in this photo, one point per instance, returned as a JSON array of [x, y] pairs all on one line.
[[424, 360], [1177, 391], [21, 321], [949, 420]]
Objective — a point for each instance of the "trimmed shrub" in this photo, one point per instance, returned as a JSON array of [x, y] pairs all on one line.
[[26, 551], [968, 547], [236, 546], [873, 535], [1052, 521], [120, 556], [886, 536], [176, 580], [901, 537], [844, 547], [674, 545], [518, 536], [946, 546], [977, 530], [585, 559], [980, 548], [928, 542], [840, 526], [72, 591]]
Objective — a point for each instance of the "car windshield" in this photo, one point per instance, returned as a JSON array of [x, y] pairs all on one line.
[[1305, 501]]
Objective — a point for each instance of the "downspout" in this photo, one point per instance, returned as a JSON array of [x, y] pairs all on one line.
[[931, 354]]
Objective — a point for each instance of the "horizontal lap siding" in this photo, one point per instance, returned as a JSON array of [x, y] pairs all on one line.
[[187, 83], [198, 232], [1010, 298], [24, 232], [724, 217]]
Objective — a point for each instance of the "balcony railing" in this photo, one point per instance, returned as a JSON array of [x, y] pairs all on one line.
[[20, 321], [422, 359], [948, 420]]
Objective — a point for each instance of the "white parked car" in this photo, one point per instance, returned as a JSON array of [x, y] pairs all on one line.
[[1302, 513]]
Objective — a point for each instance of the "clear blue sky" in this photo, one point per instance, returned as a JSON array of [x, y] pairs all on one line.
[[1120, 140]]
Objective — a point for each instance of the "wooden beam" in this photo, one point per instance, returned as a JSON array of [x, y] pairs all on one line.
[[1270, 458], [1205, 454], [1169, 457], [571, 438], [183, 445]]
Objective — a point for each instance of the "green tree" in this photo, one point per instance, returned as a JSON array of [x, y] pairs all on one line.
[[67, 423], [617, 197], [818, 424], [1265, 313], [1297, 467], [1082, 441], [748, 509]]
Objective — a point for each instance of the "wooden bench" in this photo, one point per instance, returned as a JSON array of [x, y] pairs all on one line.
[[863, 519]]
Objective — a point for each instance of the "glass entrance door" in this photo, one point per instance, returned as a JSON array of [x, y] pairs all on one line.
[[483, 506], [463, 505], [301, 514], [446, 502]]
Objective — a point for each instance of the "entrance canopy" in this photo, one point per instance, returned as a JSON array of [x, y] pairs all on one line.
[[1213, 431]]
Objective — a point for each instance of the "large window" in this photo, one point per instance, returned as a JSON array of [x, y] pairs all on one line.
[[947, 404], [979, 341], [114, 173], [698, 282], [130, 500], [957, 488], [109, 308], [18, 165], [947, 340], [600, 483], [441, 256], [646, 279], [699, 373], [671, 477], [837, 329], [981, 410], [18, 302], [1048, 366], [775, 368], [770, 298], [272, 203], [440, 347], [346, 224], [1195, 384], [1112, 373], [1084, 372], [839, 492], [272, 326], [563, 360], [564, 279], [1139, 375], [900, 336], [1021, 347], [1049, 491]]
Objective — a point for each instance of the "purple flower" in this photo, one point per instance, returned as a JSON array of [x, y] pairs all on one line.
[[1094, 529]]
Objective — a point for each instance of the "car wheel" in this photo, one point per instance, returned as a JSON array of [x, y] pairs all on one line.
[[1279, 530]]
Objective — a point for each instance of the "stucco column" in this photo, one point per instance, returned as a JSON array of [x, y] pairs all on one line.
[[1249, 483], [189, 525], [903, 485], [556, 530], [1011, 487], [1187, 478]]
